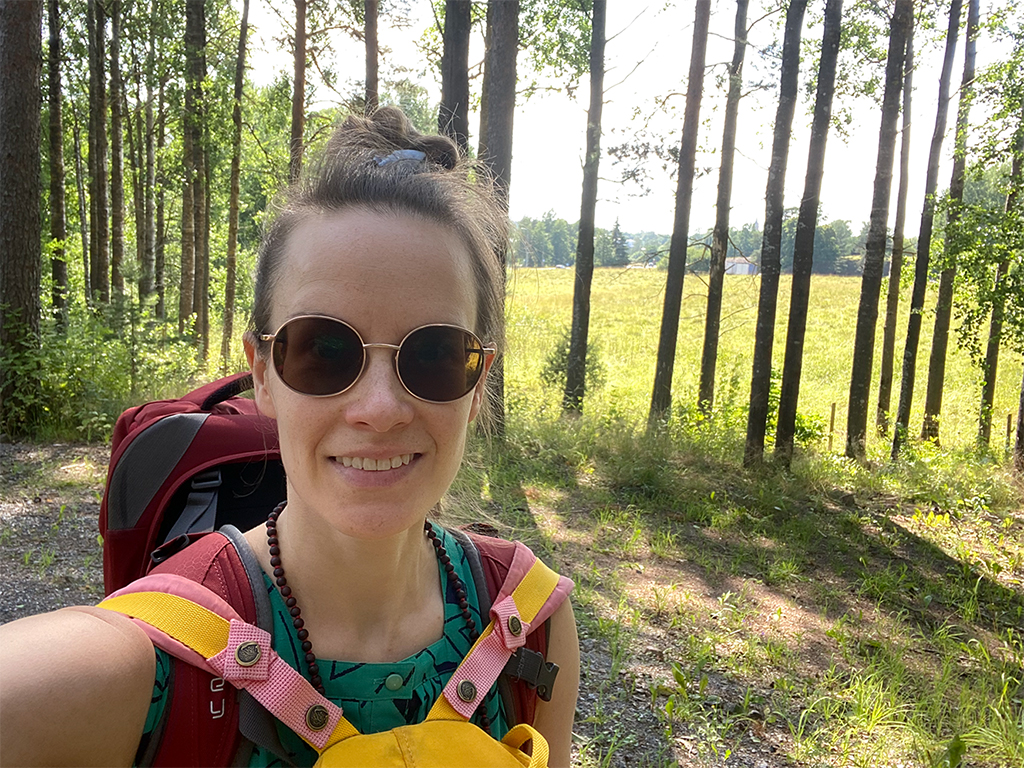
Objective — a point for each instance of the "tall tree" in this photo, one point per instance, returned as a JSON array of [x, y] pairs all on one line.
[[58, 219], [874, 251], [298, 92], [1018, 446], [370, 9], [572, 399], [236, 164], [83, 217], [661, 394], [159, 228], [116, 154], [147, 265], [944, 306], [497, 109], [720, 235], [99, 231], [924, 238], [991, 361], [195, 126], [892, 300], [453, 116], [803, 244], [21, 57], [771, 238]]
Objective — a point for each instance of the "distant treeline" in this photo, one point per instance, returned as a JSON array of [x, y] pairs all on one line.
[[551, 242]]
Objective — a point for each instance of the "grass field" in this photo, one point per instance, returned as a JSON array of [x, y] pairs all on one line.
[[625, 323]]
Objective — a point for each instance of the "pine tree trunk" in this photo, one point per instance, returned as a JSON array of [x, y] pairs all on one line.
[[370, 32], [83, 217], [147, 270], [236, 161], [572, 399], [116, 157], [21, 58], [453, 117], [892, 302], [661, 394], [497, 109], [58, 218], [924, 239], [874, 257], [159, 229], [944, 307], [803, 245], [720, 235], [995, 332], [99, 229], [298, 92], [771, 238], [1018, 446]]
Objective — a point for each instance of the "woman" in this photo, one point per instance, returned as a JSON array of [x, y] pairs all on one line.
[[389, 243]]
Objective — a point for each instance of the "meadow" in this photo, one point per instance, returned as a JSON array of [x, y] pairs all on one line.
[[626, 307]]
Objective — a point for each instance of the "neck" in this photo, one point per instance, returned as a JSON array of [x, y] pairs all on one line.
[[362, 600]]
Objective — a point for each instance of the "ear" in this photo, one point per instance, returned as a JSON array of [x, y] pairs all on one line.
[[258, 366], [480, 390]]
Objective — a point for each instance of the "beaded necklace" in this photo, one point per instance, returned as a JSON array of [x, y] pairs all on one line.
[[296, 613]]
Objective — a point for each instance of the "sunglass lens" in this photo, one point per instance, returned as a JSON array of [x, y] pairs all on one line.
[[317, 355], [440, 363]]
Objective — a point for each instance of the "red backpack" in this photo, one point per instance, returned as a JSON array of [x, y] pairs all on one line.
[[180, 469]]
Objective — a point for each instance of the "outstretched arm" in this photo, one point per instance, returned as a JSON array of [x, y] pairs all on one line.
[[75, 687], [554, 718]]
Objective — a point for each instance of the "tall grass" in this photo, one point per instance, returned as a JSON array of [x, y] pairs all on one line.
[[625, 324]]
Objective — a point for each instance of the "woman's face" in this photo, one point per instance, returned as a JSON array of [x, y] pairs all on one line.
[[384, 275]]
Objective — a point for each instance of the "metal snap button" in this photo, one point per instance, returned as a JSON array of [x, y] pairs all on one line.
[[248, 653], [316, 717], [466, 691], [394, 681], [515, 626]]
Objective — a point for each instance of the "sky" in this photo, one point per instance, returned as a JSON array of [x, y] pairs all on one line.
[[647, 58]]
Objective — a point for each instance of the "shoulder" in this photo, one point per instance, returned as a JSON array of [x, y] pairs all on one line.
[[87, 670]]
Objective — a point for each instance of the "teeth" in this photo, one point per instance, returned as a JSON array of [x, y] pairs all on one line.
[[375, 465]]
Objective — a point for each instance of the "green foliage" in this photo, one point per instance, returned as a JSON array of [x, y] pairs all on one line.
[[556, 365], [89, 375]]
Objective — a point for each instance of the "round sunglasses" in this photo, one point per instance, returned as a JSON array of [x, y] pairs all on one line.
[[323, 356]]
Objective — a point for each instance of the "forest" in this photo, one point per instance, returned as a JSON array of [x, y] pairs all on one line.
[[140, 158]]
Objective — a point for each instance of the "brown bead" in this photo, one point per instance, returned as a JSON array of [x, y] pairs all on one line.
[[285, 590], [290, 602], [303, 634], [306, 645]]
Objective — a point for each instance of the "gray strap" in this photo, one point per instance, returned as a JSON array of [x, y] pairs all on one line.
[[200, 512]]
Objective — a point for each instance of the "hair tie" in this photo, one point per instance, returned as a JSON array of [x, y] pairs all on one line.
[[400, 154]]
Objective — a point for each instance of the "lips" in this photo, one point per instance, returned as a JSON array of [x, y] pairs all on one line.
[[375, 465]]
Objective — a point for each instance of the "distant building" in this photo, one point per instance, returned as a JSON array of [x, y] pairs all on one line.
[[737, 266]]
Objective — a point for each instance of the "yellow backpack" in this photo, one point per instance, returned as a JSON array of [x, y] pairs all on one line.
[[193, 623]]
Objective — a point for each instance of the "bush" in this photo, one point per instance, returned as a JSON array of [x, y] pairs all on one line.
[[556, 364]]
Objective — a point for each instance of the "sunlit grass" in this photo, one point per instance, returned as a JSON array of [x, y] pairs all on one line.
[[626, 307]]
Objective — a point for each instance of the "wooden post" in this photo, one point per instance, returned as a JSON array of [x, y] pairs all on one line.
[[831, 427], [1009, 430]]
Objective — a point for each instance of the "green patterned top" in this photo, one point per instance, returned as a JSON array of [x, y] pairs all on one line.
[[375, 697]]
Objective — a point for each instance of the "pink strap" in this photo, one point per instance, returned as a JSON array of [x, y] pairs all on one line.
[[485, 661], [284, 692]]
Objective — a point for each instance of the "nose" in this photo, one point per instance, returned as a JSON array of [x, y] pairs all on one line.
[[378, 401]]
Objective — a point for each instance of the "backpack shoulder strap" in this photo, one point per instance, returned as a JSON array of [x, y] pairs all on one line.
[[194, 624], [530, 593], [205, 720]]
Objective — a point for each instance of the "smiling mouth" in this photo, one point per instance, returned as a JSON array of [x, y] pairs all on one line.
[[376, 465]]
